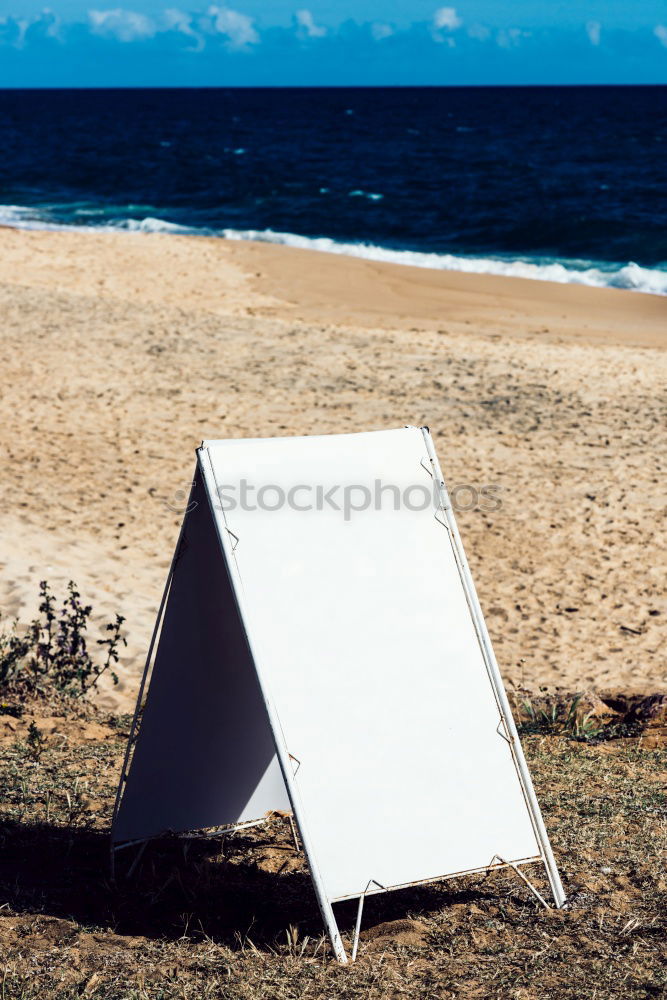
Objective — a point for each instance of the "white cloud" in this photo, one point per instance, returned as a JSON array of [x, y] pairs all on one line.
[[660, 32], [446, 17], [23, 24], [511, 38], [124, 25], [14, 30], [593, 29], [51, 23], [237, 27], [480, 32], [177, 20], [379, 30], [304, 20]]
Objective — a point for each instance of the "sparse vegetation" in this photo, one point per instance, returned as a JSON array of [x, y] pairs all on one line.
[[561, 716], [235, 918], [587, 718], [52, 654]]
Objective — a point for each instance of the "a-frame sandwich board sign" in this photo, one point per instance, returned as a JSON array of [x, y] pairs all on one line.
[[320, 647]]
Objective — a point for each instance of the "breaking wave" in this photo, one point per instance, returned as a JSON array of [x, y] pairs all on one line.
[[597, 274]]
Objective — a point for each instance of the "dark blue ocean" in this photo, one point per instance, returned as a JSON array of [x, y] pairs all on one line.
[[567, 184]]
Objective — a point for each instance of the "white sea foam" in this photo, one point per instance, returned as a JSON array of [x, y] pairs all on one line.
[[371, 195], [150, 225], [22, 217], [631, 276]]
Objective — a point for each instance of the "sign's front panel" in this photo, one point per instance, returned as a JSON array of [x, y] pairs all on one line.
[[365, 641]]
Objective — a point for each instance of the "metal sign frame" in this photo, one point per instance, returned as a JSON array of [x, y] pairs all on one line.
[[228, 541]]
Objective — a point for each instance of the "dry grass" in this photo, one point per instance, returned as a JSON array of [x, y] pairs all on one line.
[[237, 918]]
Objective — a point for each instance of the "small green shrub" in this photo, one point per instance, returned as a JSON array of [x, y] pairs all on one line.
[[53, 652], [561, 717]]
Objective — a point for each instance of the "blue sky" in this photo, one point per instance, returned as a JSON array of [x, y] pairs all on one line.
[[166, 42]]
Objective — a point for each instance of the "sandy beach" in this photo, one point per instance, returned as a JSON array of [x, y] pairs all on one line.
[[121, 351]]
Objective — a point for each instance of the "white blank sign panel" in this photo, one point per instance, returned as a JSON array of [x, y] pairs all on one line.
[[367, 649]]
